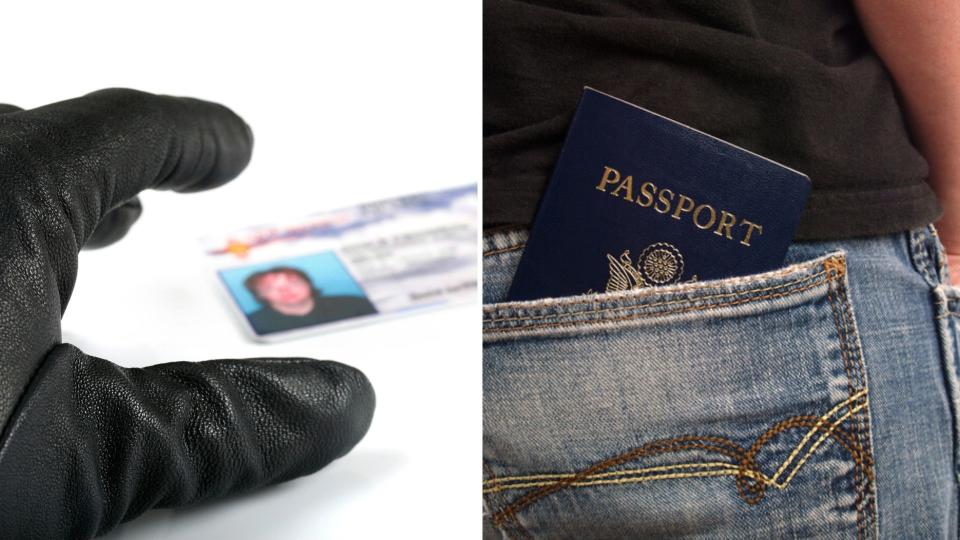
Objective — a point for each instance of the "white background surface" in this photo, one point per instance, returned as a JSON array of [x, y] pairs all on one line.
[[349, 102]]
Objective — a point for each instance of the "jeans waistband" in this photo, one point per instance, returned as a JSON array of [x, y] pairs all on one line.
[[926, 251]]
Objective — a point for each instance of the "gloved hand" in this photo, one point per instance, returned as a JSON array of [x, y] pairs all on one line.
[[86, 444]]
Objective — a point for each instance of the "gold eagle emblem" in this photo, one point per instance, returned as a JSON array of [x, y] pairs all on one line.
[[659, 264]]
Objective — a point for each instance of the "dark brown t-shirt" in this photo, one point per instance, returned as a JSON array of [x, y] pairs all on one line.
[[795, 81]]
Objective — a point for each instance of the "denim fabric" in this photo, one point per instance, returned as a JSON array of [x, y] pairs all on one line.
[[816, 400]]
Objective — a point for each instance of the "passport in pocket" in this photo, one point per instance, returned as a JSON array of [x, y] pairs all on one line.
[[639, 200]]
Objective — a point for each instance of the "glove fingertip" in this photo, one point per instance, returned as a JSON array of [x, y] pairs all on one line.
[[219, 145], [323, 409], [344, 401]]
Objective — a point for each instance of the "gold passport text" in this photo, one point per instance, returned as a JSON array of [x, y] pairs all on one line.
[[666, 201]]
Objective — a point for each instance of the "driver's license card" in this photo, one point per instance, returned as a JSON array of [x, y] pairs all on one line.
[[350, 266]]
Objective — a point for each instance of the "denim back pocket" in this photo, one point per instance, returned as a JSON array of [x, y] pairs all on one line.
[[729, 408]]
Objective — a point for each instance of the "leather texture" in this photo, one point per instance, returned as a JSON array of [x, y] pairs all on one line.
[[84, 443]]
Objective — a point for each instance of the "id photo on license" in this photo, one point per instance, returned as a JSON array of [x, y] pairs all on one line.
[[296, 293]]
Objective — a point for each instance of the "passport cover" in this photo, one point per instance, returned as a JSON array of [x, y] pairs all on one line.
[[639, 200]]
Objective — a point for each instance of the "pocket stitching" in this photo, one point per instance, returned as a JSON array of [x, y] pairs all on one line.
[[829, 276], [835, 259], [656, 304]]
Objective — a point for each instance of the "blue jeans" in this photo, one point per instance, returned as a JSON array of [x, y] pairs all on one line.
[[816, 400]]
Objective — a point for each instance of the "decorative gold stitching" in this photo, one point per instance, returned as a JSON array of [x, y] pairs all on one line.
[[657, 313], [631, 476], [554, 476], [817, 425], [746, 466], [530, 480], [817, 444], [728, 471], [625, 476], [813, 430]]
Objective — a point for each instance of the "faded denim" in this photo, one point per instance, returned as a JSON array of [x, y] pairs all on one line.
[[816, 400]]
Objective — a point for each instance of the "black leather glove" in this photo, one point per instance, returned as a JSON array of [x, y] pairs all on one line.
[[86, 444]]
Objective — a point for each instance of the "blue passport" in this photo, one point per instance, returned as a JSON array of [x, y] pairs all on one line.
[[639, 200]]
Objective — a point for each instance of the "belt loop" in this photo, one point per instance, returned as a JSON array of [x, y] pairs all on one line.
[[943, 270], [928, 255]]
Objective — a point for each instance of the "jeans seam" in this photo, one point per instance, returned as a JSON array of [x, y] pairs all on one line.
[[849, 352], [858, 502], [863, 418]]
